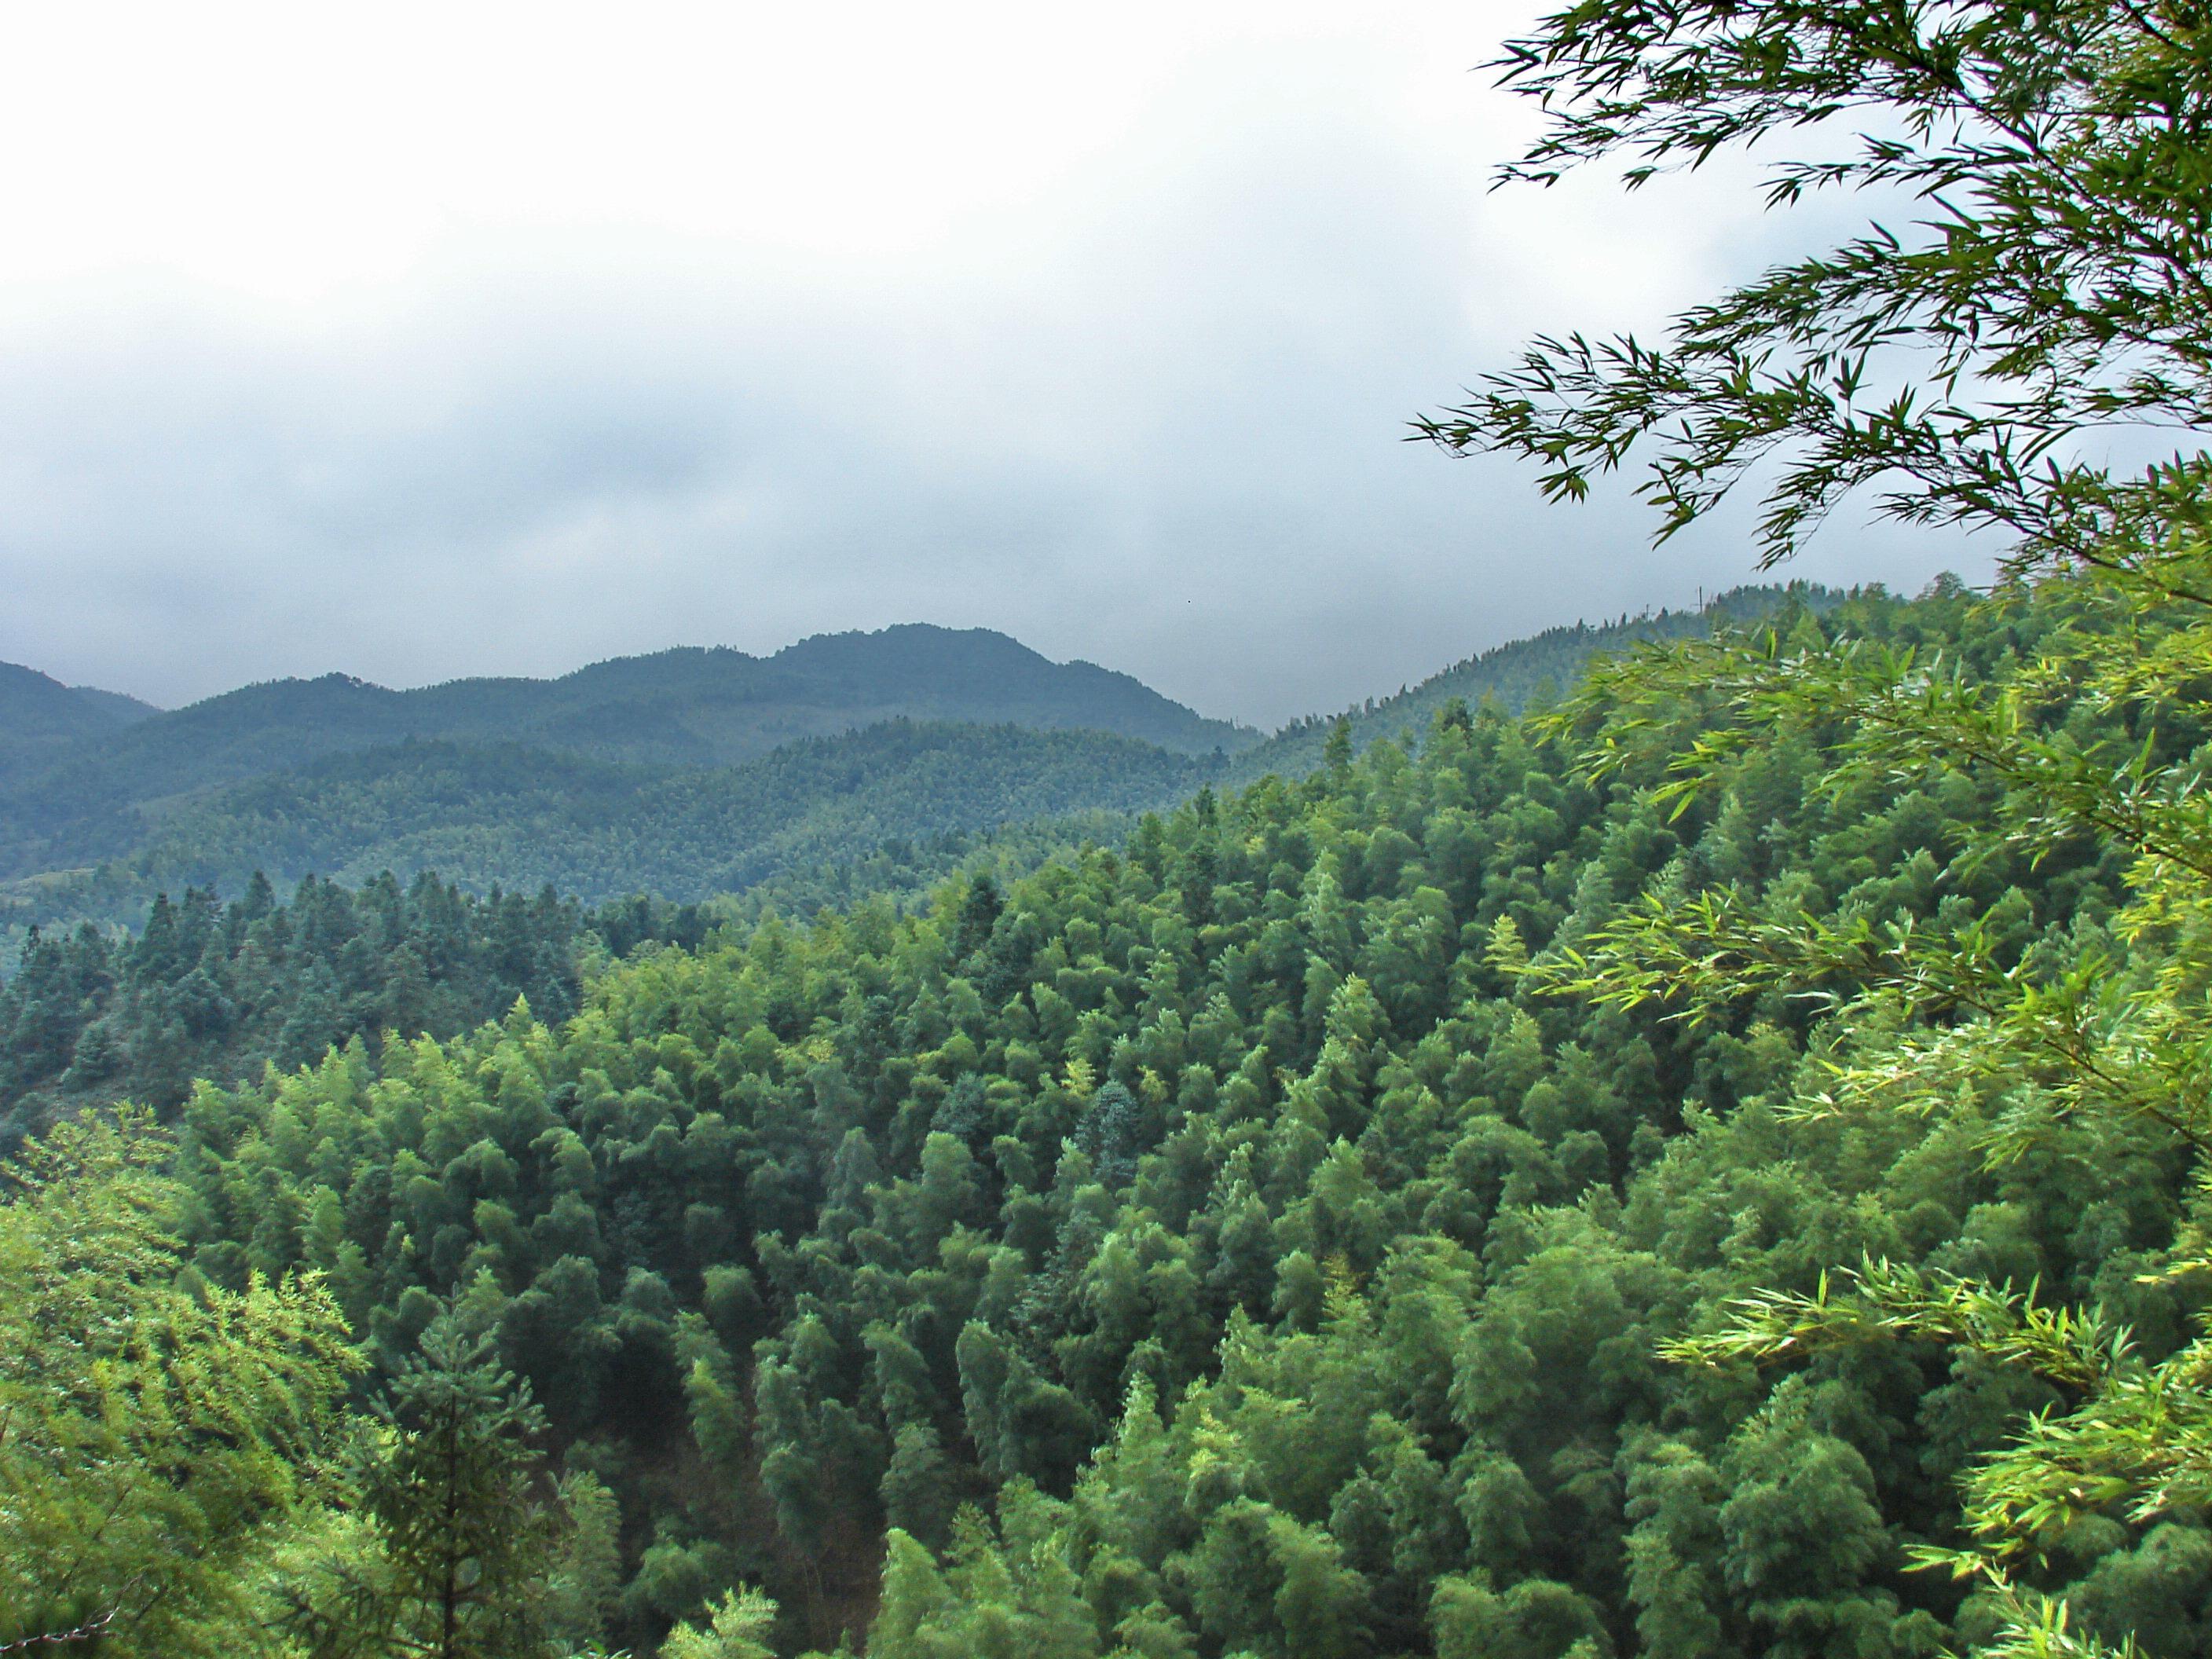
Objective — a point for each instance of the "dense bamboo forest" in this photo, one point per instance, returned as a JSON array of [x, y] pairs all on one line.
[[1225, 1242]]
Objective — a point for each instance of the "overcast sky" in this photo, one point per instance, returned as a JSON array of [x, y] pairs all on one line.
[[425, 341]]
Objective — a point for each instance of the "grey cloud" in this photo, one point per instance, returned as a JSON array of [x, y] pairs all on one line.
[[1157, 423]]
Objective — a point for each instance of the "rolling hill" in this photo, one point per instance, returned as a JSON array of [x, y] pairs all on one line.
[[41, 718], [688, 773], [507, 814], [1516, 674], [94, 786]]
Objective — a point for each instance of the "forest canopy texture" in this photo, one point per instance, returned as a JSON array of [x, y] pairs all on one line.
[[1712, 1167]]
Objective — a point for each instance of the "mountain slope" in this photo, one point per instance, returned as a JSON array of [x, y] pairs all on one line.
[[40, 715], [506, 814], [687, 707], [606, 792], [1287, 1274], [1514, 673]]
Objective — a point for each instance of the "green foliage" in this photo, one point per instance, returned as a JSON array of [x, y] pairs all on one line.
[[1287, 1239], [528, 818], [1406, 1208], [2057, 286], [2053, 286], [1518, 676], [739, 1629], [452, 1555], [218, 991], [157, 1435], [1004, 1593], [1283, 1222], [587, 1573]]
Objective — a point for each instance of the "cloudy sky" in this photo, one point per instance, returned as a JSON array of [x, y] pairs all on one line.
[[424, 341]]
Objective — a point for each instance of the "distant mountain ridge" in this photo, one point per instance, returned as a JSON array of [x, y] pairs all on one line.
[[1515, 672], [33, 705], [609, 780], [41, 718], [80, 792]]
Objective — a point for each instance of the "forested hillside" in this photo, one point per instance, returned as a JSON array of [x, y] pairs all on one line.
[[526, 818], [1230, 1217], [886, 810], [41, 718], [103, 793], [215, 991], [1517, 674], [221, 991]]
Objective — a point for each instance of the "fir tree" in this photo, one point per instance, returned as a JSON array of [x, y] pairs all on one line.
[[459, 1552]]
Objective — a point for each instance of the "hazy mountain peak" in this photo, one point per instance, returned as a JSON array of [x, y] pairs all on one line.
[[689, 706], [36, 708]]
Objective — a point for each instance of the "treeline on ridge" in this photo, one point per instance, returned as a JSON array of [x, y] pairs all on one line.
[[524, 817]]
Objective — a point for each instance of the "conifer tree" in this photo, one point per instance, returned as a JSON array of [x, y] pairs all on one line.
[[454, 1559]]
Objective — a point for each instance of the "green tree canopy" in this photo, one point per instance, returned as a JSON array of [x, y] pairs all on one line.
[[156, 1434], [2058, 280]]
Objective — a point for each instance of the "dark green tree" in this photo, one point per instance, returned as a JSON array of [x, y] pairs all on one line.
[[455, 1553]]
